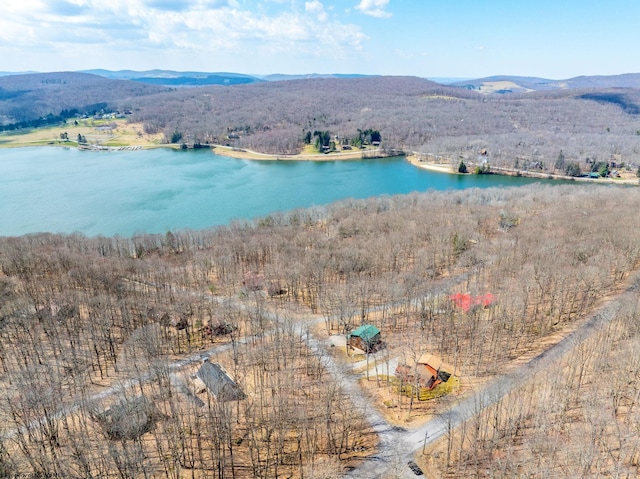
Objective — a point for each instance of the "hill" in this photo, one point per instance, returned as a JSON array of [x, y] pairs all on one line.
[[284, 77], [30, 96], [177, 79], [415, 114], [516, 84], [585, 127], [193, 78]]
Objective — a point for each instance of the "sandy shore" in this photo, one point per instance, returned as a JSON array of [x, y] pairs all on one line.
[[245, 154], [426, 165]]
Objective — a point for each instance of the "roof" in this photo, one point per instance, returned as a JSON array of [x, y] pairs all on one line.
[[367, 332], [465, 301], [435, 363], [128, 419], [219, 383]]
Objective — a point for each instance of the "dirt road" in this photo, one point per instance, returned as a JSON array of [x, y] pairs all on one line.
[[396, 445], [389, 463]]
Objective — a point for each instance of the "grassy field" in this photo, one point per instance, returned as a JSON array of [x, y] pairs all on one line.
[[492, 87], [95, 132]]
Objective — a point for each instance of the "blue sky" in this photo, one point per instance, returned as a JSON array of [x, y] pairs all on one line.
[[429, 38]]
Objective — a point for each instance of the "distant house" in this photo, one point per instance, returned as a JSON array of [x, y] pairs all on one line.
[[365, 338], [466, 302], [218, 382]]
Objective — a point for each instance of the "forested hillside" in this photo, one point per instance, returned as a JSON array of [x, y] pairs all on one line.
[[411, 114], [101, 337], [546, 131], [31, 96], [512, 83]]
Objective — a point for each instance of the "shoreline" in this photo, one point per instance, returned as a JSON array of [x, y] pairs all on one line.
[[431, 166], [134, 140], [245, 154], [496, 170]]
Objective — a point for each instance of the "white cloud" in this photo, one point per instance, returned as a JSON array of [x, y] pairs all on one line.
[[193, 27], [316, 8], [374, 8]]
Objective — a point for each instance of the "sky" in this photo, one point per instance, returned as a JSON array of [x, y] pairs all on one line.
[[555, 39]]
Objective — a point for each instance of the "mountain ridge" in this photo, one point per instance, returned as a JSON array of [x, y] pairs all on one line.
[[502, 84]]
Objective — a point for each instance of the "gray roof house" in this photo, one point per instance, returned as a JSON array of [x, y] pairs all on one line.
[[218, 382]]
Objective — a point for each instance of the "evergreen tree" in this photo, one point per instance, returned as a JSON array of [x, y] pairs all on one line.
[[560, 162], [572, 169]]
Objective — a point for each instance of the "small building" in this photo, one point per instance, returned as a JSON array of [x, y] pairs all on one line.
[[365, 338], [467, 302], [218, 382], [128, 419], [433, 369], [429, 371]]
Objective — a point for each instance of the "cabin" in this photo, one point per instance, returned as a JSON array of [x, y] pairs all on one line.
[[365, 338], [128, 419], [219, 383], [433, 369], [429, 371]]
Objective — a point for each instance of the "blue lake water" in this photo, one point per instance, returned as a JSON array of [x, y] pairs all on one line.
[[154, 191]]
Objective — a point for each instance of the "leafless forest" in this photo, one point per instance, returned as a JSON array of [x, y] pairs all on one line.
[[411, 114], [577, 419], [100, 337], [31, 96], [524, 131]]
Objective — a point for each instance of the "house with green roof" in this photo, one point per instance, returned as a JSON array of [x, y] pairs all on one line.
[[365, 338]]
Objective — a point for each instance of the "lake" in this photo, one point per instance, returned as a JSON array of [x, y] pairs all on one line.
[[153, 191]]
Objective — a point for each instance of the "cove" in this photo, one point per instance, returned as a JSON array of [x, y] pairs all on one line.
[[62, 190]]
